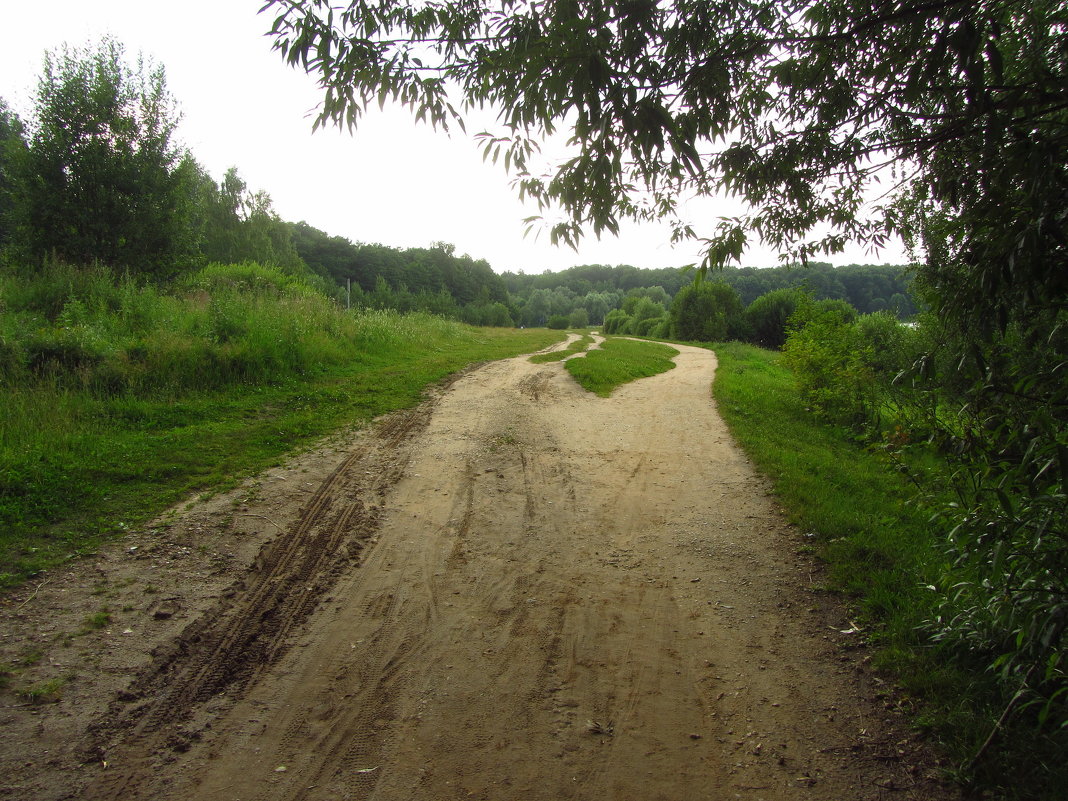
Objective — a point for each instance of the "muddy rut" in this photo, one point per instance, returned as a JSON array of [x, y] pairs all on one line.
[[520, 591]]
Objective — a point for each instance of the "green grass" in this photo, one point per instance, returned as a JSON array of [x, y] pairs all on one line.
[[577, 346], [118, 400], [46, 692], [96, 621], [871, 525], [619, 361], [872, 531]]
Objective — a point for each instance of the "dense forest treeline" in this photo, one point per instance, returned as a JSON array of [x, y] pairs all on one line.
[[866, 287], [599, 288]]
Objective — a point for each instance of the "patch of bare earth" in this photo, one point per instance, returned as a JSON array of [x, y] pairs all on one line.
[[516, 591]]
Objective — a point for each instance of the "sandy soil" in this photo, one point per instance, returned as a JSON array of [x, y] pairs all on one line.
[[516, 591]]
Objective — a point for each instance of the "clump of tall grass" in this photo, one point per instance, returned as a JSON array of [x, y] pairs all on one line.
[[386, 328], [88, 329]]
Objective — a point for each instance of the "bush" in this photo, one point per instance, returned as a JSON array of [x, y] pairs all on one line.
[[767, 317], [704, 312], [247, 275], [557, 322], [829, 360], [579, 318], [617, 321], [1006, 588], [645, 328], [662, 329]]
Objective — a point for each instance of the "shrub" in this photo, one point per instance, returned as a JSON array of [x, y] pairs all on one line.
[[704, 312], [558, 322], [645, 328], [579, 318], [646, 309], [824, 351], [617, 321], [767, 317], [662, 329]]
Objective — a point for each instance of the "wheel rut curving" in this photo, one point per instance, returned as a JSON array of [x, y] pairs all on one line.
[[248, 631]]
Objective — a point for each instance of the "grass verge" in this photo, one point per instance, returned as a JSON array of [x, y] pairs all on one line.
[[618, 361], [871, 526]]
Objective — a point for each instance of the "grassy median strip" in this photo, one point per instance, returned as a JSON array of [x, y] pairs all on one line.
[[618, 361]]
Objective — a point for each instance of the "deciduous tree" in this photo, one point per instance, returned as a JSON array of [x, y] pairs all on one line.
[[99, 180], [12, 145], [704, 312]]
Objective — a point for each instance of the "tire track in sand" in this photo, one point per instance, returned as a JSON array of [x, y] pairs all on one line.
[[218, 655], [569, 597]]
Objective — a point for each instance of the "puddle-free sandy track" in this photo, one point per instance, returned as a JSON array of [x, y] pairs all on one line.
[[523, 592]]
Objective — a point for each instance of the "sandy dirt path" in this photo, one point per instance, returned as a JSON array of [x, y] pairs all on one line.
[[520, 591]]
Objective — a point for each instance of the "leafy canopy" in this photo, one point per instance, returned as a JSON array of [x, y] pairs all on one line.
[[100, 178], [704, 312], [795, 106]]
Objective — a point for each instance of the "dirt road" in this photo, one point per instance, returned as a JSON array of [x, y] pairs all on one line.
[[517, 591]]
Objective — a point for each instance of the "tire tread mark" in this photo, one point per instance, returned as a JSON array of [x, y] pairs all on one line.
[[231, 643]]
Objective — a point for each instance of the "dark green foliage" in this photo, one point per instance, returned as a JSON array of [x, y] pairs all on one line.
[[599, 288], [557, 322], [1003, 421], [234, 224], [494, 315], [767, 317], [1003, 587], [656, 295], [992, 219], [12, 147], [432, 279], [617, 321], [578, 319], [100, 178], [705, 312], [596, 305], [582, 280], [642, 314], [834, 360], [610, 289]]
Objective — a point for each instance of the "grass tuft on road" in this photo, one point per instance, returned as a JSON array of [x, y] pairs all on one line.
[[619, 361]]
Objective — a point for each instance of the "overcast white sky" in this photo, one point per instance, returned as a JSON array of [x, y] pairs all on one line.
[[391, 182]]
